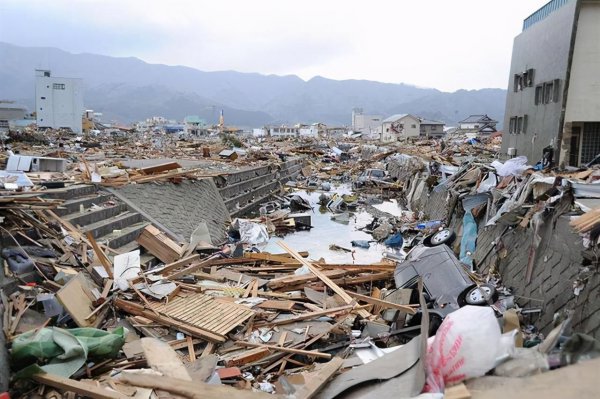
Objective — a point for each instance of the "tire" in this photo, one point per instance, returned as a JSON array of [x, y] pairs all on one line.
[[441, 237], [481, 295]]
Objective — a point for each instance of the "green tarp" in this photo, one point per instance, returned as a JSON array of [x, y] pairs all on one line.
[[63, 352]]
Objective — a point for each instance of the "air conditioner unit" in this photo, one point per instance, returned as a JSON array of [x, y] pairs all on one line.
[[512, 151]]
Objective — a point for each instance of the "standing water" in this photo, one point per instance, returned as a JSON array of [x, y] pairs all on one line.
[[325, 232]]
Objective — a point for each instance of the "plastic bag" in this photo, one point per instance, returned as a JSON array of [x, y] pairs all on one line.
[[512, 167], [465, 346]]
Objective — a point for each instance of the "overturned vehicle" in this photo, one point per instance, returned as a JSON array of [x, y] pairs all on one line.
[[446, 283]]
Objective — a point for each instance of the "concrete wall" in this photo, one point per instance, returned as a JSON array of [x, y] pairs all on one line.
[[545, 47], [558, 263], [583, 103], [245, 190]]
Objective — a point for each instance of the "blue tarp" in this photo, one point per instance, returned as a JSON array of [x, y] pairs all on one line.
[[469, 239]]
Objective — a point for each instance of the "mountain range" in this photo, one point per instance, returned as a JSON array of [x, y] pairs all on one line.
[[127, 89]]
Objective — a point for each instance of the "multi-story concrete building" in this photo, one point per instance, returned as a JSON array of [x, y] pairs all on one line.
[[554, 84], [58, 102], [364, 123]]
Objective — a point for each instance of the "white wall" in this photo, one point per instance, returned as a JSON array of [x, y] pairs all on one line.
[[259, 132], [59, 103], [583, 99], [311, 131]]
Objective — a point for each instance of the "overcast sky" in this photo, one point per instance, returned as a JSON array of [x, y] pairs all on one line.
[[445, 44]]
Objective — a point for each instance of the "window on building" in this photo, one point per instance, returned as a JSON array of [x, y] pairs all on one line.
[[548, 92], [519, 124], [530, 74], [43, 98], [539, 90], [413, 126], [523, 129], [434, 127], [401, 126], [58, 86], [556, 93], [512, 128], [517, 83]]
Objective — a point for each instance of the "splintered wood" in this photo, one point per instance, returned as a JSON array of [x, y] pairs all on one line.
[[205, 312], [586, 222]]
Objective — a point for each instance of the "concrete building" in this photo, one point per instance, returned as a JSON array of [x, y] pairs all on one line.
[[284, 131], [364, 123], [400, 126], [10, 112], [58, 102], [554, 85], [309, 130], [431, 129], [194, 126]]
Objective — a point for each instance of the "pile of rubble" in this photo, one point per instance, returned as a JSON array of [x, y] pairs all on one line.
[[207, 319]]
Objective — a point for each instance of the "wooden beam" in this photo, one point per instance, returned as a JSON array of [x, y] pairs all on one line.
[[206, 262], [191, 389], [67, 384], [336, 288], [312, 315], [284, 349], [382, 303], [181, 262], [100, 255]]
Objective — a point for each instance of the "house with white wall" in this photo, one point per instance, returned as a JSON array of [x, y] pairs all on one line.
[[399, 126]]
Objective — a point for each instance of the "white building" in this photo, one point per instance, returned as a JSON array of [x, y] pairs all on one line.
[[366, 124], [309, 131], [284, 131], [58, 102], [400, 126], [260, 132]]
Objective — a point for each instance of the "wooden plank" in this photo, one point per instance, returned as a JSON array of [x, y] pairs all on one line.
[[158, 244], [191, 351], [181, 262], [312, 315], [318, 379], [161, 357], [76, 299], [280, 305], [459, 391], [336, 288], [163, 167], [208, 350], [100, 255], [206, 262], [284, 349], [247, 357], [382, 303], [194, 390], [270, 258], [69, 385]]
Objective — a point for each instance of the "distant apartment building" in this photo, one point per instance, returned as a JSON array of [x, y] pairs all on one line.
[[554, 84], [364, 123], [58, 102]]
